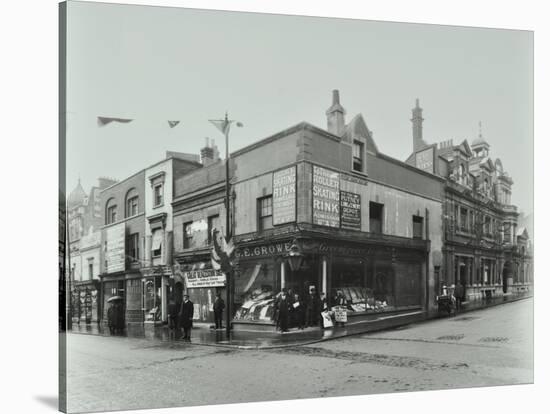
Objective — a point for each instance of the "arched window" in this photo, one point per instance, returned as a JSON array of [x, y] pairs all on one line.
[[132, 202], [110, 211], [461, 174]]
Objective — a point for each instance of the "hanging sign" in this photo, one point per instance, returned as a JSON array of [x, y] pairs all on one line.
[[326, 197], [284, 196], [350, 209]]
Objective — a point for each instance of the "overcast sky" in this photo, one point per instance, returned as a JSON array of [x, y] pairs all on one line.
[[270, 72]]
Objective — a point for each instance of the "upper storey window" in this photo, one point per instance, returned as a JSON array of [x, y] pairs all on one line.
[[358, 156]]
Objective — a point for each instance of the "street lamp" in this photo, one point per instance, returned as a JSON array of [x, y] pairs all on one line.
[[224, 125], [295, 257]]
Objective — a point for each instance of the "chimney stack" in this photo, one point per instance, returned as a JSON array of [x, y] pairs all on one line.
[[416, 120], [335, 115], [207, 153]]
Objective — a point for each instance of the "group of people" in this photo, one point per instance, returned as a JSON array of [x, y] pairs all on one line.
[[456, 293], [180, 315], [293, 311]]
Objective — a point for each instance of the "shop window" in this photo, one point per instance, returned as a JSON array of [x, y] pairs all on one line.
[[349, 281], [158, 194], [409, 289], [152, 291], [376, 213], [156, 246], [265, 213], [256, 290], [213, 223], [132, 244], [110, 211], [383, 286], [358, 156], [418, 227], [188, 235]]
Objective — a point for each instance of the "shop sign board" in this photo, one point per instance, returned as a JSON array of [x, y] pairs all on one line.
[[204, 278], [326, 197], [350, 208], [115, 248], [284, 196], [264, 250], [340, 314]]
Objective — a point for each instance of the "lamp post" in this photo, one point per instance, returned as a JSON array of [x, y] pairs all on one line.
[[224, 126]]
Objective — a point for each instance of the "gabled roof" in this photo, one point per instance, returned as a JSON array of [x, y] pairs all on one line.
[[465, 147], [357, 127]]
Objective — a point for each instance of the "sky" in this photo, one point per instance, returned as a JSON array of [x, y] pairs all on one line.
[[155, 64]]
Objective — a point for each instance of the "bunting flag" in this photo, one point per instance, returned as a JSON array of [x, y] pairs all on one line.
[[222, 252], [172, 124], [104, 120], [222, 124]]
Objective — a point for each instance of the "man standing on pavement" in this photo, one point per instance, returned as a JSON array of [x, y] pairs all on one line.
[[186, 317], [219, 306], [459, 295]]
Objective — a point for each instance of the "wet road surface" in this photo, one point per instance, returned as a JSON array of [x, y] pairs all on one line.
[[487, 347]]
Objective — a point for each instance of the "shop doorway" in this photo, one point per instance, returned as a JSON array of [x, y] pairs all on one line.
[[302, 280]]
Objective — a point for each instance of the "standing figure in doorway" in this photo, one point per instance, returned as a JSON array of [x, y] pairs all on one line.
[[219, 306], [459, 296], [186, 317]]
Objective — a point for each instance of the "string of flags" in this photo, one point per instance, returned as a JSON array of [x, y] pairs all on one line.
[[105, 120]]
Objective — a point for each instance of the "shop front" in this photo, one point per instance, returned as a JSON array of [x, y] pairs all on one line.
[[86, 302], [154, 290], [364, 278], [195, 277]]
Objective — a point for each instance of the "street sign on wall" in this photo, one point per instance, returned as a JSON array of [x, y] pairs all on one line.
[[284, 196], [350, 209], [326, 197]]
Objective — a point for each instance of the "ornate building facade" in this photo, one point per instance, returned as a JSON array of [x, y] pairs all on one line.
[[484, 249]]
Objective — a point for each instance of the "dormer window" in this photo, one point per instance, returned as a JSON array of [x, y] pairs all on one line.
[[358, 156]]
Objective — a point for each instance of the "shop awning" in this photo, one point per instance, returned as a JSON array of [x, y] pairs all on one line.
[[253, 277], [157, 240]]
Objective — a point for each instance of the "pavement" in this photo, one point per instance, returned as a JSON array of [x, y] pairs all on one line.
[[486, 347], [203, 335]]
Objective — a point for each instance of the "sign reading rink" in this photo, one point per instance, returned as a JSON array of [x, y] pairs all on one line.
[[284, 196], [326, 197]]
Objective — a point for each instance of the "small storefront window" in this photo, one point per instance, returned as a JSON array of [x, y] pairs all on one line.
[[255, 287], [348, 281], [152, 299], [408, 290], [383, 286]]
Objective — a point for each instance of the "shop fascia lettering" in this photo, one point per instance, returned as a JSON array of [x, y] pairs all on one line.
[[355, 251], [265, 250]]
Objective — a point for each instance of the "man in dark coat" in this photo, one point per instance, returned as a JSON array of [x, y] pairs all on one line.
[[172, 314], [459, 296], [219, 306], [284, 311], [186, 317], [313, 308]]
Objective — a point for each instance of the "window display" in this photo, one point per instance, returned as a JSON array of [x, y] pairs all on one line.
[[255, 291], [152, 299]]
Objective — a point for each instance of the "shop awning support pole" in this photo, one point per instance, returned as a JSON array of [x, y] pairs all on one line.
[[229, 274]]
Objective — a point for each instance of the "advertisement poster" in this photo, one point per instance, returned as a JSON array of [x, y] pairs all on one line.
[[114, 248], [350, 208], [204, 278], [284, 196], [326, 197]]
